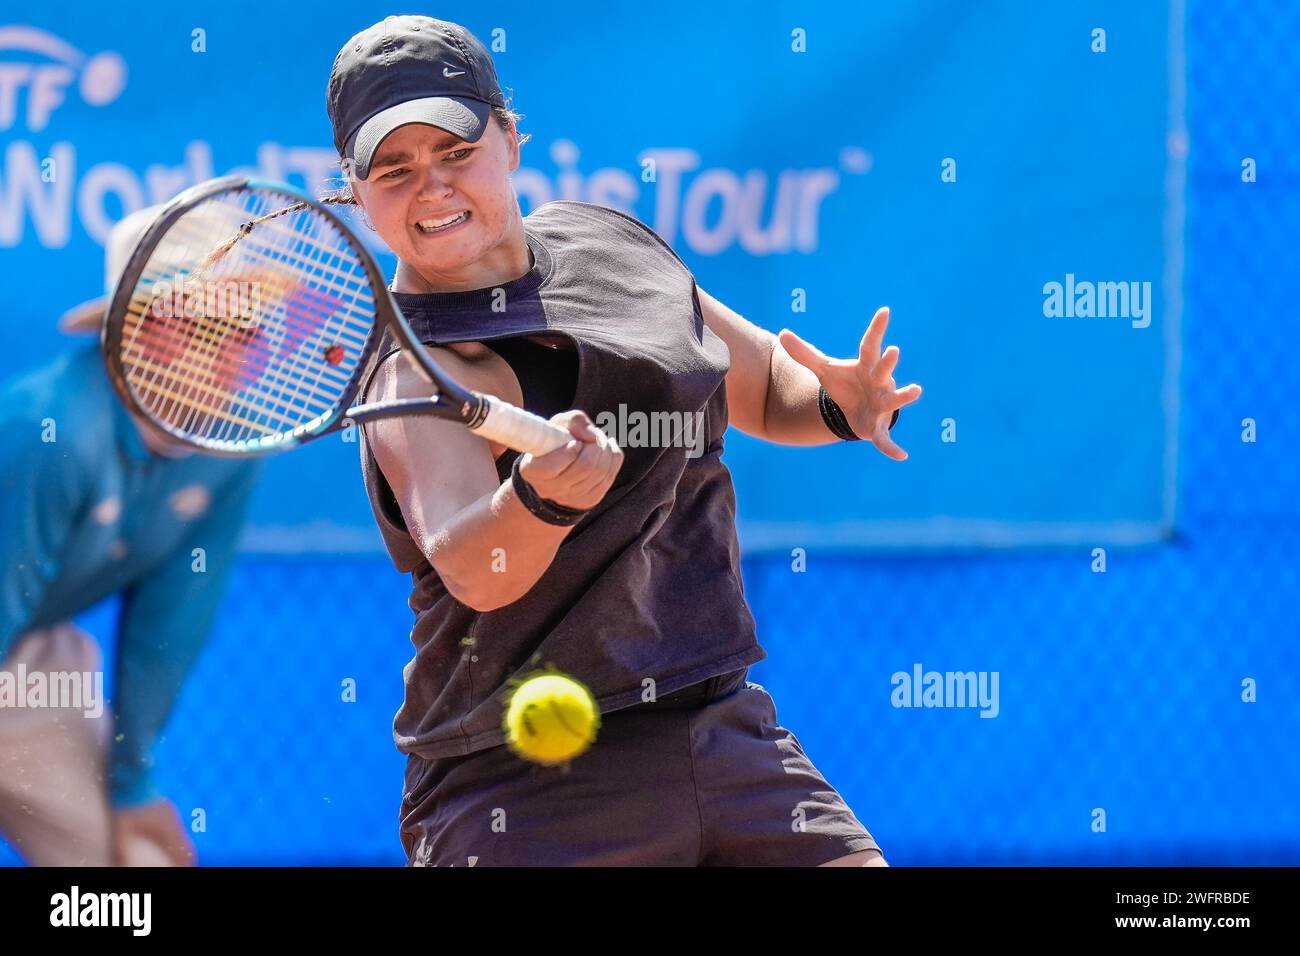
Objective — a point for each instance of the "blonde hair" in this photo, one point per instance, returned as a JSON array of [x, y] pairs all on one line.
[[506, 115]]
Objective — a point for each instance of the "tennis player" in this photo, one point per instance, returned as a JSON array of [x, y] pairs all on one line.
[[616, 565], [94, 502]]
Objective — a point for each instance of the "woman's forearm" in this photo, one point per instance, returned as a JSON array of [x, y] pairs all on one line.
[[791, 415], [491, 552], [769, 394]]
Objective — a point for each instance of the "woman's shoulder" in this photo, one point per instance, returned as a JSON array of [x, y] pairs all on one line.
[[574, 211], [605, 226]]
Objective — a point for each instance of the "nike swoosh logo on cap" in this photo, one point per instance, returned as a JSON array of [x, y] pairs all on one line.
[[451, 74]]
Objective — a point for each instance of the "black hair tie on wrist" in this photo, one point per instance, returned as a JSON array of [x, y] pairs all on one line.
[[547, 511], [834, 418]]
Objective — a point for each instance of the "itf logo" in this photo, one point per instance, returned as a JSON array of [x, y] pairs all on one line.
[[32, 91]]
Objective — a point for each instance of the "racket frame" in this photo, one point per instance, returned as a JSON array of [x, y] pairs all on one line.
[[451, 401]]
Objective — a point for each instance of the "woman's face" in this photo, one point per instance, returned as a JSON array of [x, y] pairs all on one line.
[[444, 206]]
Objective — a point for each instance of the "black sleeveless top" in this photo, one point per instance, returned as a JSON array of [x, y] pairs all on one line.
[[644, 597], [548, 378]]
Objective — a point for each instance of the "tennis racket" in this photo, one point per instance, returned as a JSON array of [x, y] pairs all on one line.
[[249, 317]]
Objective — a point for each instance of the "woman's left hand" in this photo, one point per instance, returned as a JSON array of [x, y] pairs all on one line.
[[863, 387]]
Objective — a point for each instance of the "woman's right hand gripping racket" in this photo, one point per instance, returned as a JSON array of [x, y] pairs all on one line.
[[248, 318]]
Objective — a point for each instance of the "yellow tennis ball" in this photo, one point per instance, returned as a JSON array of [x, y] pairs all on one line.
[[551, 719]]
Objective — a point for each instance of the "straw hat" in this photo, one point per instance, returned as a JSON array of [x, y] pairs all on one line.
[[122, 240]]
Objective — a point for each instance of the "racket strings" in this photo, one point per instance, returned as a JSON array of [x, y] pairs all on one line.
[[210, 365], [170, 342], [283, 357], [247, 227]]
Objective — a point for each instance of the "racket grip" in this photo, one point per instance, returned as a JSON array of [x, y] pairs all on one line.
[[518, 429]]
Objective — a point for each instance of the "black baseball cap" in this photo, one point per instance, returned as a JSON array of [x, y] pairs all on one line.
[[409, 70]]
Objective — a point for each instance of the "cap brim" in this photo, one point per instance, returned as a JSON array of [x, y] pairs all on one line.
[[462, 116], [87, 317]]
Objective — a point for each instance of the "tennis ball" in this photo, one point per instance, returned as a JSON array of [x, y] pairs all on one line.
[[550, 719]]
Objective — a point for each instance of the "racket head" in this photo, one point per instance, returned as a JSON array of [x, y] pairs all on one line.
[[244, 341]]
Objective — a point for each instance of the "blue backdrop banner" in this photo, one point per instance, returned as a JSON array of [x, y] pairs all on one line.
[[1015, 195]]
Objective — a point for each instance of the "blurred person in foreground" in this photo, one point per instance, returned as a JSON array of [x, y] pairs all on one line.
[[95, 502]]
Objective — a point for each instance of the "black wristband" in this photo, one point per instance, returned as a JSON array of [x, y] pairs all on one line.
[[540, 507], [834, 418]]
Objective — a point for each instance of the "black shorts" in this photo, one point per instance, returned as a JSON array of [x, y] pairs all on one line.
[[700, 777]]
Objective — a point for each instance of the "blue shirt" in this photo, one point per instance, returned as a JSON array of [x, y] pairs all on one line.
[[88, 511]]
